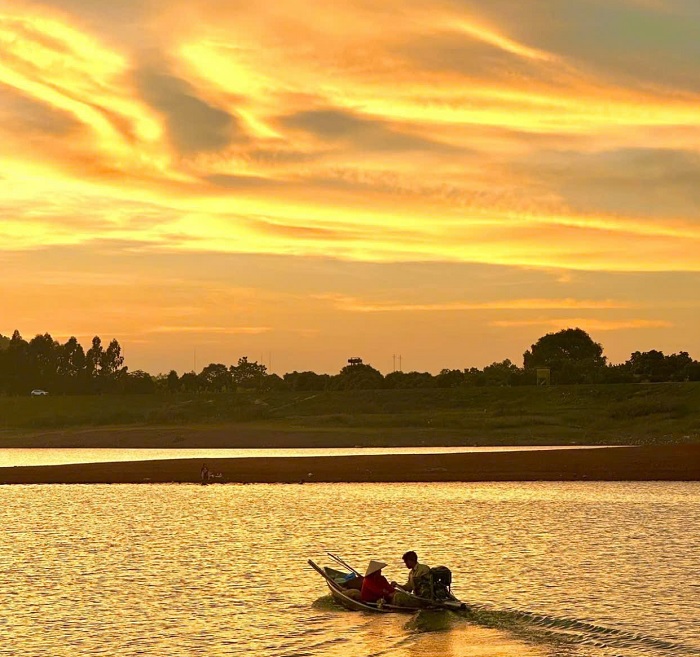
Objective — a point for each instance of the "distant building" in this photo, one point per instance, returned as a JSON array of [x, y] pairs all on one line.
[[354, 361]]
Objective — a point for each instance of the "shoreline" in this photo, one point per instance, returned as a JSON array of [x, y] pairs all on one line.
[[629, 463]]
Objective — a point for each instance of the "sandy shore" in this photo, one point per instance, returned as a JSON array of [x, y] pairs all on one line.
[[666, 463]]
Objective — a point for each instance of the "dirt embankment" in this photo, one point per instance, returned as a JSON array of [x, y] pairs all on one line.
[[666, 463]]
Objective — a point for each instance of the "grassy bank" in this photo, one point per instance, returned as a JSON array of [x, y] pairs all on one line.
[[612, 414]]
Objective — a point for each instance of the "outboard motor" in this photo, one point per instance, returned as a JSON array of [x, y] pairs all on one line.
[[440, 582]]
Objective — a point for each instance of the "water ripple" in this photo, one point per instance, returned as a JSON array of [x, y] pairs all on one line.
[[603, 569]]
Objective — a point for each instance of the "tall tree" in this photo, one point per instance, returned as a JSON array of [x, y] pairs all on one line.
[[43, 360], [306, 380], [449, 378], [111, 360], [359, 376], [571, 355], [248, 374], [402, 380], [216, 377], [504, 373], [655, 367], [93, 357], [4, 364], [18, 379], [173, 381], [72, 366], [137, 383], [189, 382]]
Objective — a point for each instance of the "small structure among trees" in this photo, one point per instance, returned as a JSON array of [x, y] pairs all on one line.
[[357, 376], [354, 361]]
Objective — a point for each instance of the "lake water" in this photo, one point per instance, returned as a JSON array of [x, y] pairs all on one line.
[[61, 456], [558, 569]]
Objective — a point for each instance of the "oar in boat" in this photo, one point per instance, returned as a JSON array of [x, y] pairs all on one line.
[[343, 563]]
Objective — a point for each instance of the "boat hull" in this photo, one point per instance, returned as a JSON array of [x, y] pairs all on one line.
[[339, 594]]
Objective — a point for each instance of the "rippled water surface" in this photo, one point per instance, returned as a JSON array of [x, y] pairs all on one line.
[[577, 569]]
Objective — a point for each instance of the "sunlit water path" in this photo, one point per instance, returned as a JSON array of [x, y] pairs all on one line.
[[61, 456], [577, 569]]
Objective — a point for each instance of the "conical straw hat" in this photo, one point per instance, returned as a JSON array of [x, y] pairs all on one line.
[[374, 566]]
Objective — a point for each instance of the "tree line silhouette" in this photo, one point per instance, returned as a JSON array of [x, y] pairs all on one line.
[[570, 355]]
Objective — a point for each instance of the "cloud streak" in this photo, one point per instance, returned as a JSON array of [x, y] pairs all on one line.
[[461, 134], [216, 330], [587, 323], [351, 304], [556, 141]]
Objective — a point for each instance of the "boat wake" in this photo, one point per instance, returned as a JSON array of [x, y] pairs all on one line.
[[568, 636], [562, 630], [428, 620]]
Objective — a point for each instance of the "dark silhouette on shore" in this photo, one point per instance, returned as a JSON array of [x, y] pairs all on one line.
[[569, 356]]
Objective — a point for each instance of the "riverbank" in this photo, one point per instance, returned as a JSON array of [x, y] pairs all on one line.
[[647, 463]]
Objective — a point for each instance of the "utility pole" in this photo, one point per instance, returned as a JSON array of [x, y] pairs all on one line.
[[194, 360], [400, 369], [394, 357]]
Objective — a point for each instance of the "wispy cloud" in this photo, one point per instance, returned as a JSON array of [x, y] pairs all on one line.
[[588, 324], [493, 38], [352, 304], [205, 329], [425, 134]]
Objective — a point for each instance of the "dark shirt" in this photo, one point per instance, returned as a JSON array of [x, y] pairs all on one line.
[[375, 586]]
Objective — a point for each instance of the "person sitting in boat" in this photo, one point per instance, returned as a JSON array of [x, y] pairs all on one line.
[[418, 575], [418, 581], [375, 586]]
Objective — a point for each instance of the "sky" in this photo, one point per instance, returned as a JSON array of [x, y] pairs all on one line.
[[304, 182]]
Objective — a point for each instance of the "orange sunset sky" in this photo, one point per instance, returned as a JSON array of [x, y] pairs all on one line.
[[303, 182]]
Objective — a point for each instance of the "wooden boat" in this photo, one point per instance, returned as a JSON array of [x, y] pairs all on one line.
[[339, 582]]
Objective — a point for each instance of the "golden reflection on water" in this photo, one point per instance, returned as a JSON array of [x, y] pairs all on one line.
[[472, 642], [182, 570]]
